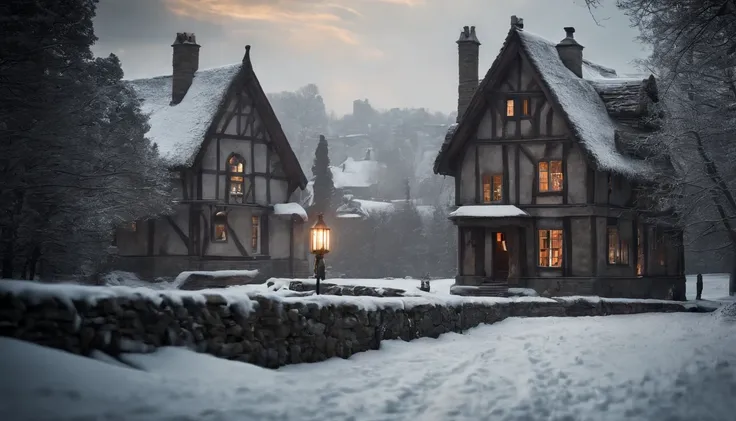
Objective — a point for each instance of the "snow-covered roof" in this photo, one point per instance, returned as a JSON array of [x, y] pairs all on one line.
[[352, 173], [179, 129], [585, 111], [487, 211], [289, 209], [360, 208]]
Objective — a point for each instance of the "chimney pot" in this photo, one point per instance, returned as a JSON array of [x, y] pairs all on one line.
[[517, 22], [571, 52], [468, 51]]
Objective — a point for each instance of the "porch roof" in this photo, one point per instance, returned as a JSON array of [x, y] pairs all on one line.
[[487, 211]]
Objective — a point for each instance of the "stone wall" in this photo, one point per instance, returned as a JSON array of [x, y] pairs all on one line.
[[267, 330]]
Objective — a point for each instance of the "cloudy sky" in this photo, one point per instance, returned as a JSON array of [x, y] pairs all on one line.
[[396, 53]]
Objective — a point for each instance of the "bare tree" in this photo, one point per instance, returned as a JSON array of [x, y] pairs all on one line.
[[694, 56]]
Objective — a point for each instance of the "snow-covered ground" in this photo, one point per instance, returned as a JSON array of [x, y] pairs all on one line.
[[715, 287], [638, 367]]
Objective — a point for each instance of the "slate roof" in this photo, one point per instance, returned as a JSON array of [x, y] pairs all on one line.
[[589, 104]]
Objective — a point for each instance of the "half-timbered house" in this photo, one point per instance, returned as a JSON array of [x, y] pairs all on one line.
[[234, 174], [546, 182]]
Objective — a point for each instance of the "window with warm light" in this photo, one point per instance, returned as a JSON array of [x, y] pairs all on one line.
[[219, 227], [618, 248], [525, 107], [509, 108], [255, 232], [500, 239], [492, 188], [550, 248], [235, 179], [550, 176]]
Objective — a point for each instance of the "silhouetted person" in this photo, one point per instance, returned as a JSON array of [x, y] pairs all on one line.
[[699, 287]]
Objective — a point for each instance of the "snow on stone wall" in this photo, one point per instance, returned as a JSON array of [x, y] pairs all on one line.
[[266, 329]]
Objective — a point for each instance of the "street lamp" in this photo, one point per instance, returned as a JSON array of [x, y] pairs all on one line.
[[319, 245]]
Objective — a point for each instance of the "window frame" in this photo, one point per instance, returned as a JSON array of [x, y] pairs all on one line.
[[622, 248], [222, 215], [640, 251], [549, 177], [491, 185], [229, 179], [519, 103], [560, 248]]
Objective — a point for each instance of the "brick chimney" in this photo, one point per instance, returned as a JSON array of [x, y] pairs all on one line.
[[468, 47], [185, 63], [571, 53]]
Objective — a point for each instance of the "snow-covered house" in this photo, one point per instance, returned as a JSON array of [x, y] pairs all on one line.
[[545, 182], [235, 173]]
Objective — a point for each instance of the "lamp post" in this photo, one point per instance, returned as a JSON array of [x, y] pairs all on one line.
[[319, 245]]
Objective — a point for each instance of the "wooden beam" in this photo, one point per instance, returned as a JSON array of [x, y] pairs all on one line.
[[151, 225], [239, 137], [567, 260], [565, 174], [178, 232], [236, 240], [594, 245], [505, 188], [253, 168], [517, 175], [265, 234], [268, 174], [217, 179], [206, 238], [528, 140], [477, 175], [256, 174]]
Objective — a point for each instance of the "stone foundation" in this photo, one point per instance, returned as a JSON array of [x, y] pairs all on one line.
[[266, 330]]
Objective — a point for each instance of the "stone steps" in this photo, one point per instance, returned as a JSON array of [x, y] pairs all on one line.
[[492, 290]]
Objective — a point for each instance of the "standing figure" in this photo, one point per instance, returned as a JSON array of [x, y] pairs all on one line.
[[699, 287]]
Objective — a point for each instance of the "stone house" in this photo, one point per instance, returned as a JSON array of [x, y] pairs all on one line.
[[234, 173], [548, 189]]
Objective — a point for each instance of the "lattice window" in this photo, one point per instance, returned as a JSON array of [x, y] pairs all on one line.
[[236, 179], [618, 248], [550, 248], [492, 188], [550, 176]]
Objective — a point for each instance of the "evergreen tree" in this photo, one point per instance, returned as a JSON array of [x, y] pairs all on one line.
[[324, 187], [74, 160]]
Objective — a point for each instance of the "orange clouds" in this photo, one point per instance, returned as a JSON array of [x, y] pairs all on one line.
[[309, 22]]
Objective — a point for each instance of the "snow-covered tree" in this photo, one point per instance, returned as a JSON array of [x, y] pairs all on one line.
[[303, 116], [694, 55], [74, 161]]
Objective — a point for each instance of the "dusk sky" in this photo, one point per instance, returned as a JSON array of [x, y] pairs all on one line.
[[396, 53]]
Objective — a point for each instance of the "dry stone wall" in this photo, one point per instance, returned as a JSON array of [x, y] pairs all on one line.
[[266, 330]]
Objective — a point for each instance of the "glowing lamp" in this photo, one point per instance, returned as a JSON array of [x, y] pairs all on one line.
[[319, 236]]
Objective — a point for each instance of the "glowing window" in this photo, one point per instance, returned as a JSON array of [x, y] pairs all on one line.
[[550, 248], [618, 249], [509, 108], [492, 188], [236, 179], [219, 227], [550, 176], [255, 231], [525, 107]]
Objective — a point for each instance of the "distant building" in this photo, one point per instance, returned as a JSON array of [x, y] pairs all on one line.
[[545, 181], [233, 169]]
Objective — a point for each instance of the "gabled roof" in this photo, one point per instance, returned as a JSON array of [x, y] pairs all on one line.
[[180, 130], [576, 98], [352, 173]]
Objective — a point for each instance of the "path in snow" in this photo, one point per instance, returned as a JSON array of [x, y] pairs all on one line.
[[640, 367]]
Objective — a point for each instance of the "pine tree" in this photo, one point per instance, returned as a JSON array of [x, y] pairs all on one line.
[[324, 187]]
